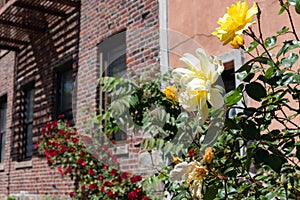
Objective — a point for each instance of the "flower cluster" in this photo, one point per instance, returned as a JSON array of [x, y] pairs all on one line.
[[93, 177], [192, 172]]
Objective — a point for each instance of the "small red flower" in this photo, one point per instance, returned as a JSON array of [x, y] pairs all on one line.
[[69, 170], [81, 162], [111, 194], [108, 184], [72, 149], [100, 177], [91, 172], [124, 175], [191, 153], [113, 172], [93, 186], [132, 195], [36, 145], [104, 166], [135, 179], [71, 194], [63, 148], [75, 140]]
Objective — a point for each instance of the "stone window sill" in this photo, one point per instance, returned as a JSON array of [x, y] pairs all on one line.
[[120, 149], [1, 167], [23, 164]]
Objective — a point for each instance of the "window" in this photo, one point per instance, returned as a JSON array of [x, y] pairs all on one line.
[[112, 54], [64, 92], [232, 61], [3, 107], [26, 136], [228, 76]]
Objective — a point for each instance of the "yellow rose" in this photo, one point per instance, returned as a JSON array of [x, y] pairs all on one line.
[[208, 156], [171, 93], [237, 19]]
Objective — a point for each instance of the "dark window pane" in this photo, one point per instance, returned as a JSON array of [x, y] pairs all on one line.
[[67, 86], [65, 83], [29, 105], [28, 127], [29, 141], [2, 142], [3, 117], [2, 130]]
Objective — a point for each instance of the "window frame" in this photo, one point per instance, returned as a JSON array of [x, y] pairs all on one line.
[[60, 71], [109, 50], [28, 98], [3, 109]]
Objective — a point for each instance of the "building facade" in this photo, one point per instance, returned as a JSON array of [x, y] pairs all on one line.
[[52, 55]]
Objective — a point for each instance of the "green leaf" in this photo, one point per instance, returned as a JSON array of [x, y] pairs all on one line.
[[296, 4], [250, 131], [293, 2], [274, 162], [290, 60], [249, 77], [256, 91], [210, 193], [270, 41], [260, 155], [270, 72], [252, 46], [283, 30], [229, 123], [233, 97], [246, 67], [283, 49], [283, 8]]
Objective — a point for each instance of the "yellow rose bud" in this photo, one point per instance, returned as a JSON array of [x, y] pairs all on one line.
[[237, 41], [171, 93], [208, 156], [177, 160]]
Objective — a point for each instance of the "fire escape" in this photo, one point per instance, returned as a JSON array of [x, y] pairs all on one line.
[[21, 18]]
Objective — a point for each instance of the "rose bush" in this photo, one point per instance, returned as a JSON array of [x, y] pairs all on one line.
[[94, 178], [206, 153]]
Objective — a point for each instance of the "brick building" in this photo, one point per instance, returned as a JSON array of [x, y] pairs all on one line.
[[50, 48]]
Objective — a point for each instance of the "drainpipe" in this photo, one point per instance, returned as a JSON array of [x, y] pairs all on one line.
[[163, 36]]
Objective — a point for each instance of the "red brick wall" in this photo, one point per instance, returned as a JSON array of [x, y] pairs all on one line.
[[6, 88], [100, 20], [37, 62]]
